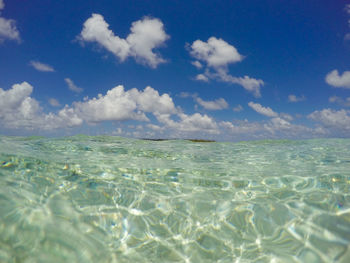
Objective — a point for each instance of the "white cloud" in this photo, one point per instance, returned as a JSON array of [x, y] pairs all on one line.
[[13, 98], [54, 103], [344, 102], [41, 66], [19, 110], [250, 84], [242, 128], [218, 104], [155, 127], [294, 98], [189, 123], [338, 81], [72, 86], [338, 121], [119, 105], [273, 128], [217, 54], [238, 108], [262, 110], [185, 94], [278, 123], [95, 29], [8, 30], [146, 35], [66, 117], [197, 64], [347, 8], [116, 105], [197, 122], [150, 101], [226, 124], [286, 116], [281, 118], [202, 77]]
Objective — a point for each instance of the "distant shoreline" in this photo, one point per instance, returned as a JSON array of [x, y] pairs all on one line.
[[191, 140]]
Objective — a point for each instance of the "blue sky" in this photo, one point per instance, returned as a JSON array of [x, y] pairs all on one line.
[[224, 70]]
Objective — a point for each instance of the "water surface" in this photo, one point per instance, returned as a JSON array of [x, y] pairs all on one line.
[[110, 199]]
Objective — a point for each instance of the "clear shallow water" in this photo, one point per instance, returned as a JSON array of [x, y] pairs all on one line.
[[109, 199]]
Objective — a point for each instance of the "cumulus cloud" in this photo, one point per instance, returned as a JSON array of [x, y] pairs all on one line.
[[238, 108], [8, 29], [119, 105], [294, 98], [267, 111], [286, 116], [150, 101], [202, 77], [278, 123], [250, 84], [14, 97], [189, 123], [218, 104], [333, 121], [241, 127], [155, 127], [41, 66], [332, 118], [72, 86], [343, 102], [146, 35], [54, 103], [273, 128], [20, 110], [338, 81], [217, 54], [95, 29], [244, 130], [197, 64], [116, 105]]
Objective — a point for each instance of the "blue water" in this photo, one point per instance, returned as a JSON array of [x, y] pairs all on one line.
[[111, 199]]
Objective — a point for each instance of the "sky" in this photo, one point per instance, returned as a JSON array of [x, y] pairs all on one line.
[[224, 70]]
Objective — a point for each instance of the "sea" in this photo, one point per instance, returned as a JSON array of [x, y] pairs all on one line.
[[112, 199]]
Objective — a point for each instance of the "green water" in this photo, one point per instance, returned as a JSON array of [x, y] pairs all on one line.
[[109, 199]]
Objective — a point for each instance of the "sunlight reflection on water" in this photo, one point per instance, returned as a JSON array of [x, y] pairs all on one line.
[[109, 199]]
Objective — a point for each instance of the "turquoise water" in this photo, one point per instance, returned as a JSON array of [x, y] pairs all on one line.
[[110, 199]]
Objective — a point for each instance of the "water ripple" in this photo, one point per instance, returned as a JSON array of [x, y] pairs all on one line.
[[109, 199]]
